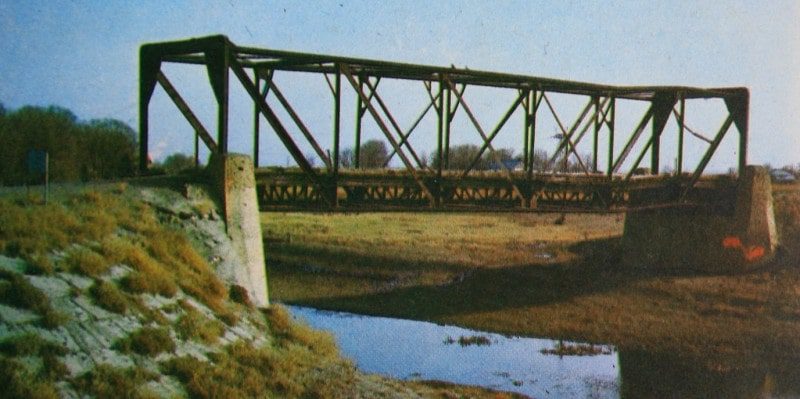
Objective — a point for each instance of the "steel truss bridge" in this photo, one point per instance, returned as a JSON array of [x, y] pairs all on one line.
[[440, 187]]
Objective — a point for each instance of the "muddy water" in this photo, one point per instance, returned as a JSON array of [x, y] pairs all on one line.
[[407, 349]]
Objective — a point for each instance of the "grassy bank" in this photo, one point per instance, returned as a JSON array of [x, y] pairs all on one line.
[[527, 274], [111, 292]]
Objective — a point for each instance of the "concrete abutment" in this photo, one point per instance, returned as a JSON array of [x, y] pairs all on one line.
[[233, 179], [697, 239]]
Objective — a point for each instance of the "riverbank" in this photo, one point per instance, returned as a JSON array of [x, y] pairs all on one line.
[[528, 274], [114, 290]]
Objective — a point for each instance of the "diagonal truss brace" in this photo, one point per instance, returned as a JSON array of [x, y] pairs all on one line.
[[566, 140], [348, 74], [186, 111], [271, 86], [280, 130]]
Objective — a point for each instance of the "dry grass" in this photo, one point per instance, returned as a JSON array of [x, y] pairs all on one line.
[[86, 262], [18, 382], [482, 271], [30, 345], [15, 290], [109, 297], [193, 325], [246, 372], [108, 382], [148, 341], [284, 328]]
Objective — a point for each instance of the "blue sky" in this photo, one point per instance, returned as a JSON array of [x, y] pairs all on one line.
[[83, 55]]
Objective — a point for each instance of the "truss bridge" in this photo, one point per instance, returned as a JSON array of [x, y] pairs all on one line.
[[621, 172]]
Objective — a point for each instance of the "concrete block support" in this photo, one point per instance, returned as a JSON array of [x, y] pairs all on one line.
[[233, 178], [704, 241]]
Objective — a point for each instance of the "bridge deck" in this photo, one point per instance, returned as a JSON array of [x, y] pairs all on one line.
[[390, 190]]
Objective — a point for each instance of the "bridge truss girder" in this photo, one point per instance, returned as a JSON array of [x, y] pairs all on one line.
[[445, 87]]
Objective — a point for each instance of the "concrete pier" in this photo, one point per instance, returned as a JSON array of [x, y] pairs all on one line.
[[703, 241], [234, 181]]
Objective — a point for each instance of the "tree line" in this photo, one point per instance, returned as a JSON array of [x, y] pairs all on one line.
[[375, 154], [78, 150]]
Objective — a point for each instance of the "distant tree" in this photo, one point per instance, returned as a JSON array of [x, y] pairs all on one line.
[[541, 161], [176, 163], [347, 158], [99, 149], [373, 154], [2, 110]]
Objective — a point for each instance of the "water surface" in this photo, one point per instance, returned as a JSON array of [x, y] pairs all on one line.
[[407, 349]]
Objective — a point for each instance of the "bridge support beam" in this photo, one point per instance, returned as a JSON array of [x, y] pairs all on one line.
[[233, 180], [704, 240]]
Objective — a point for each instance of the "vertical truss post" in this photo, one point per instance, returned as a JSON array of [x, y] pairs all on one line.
[[441, 113], [337, 108], [525, 131], [530, 114], [611, 126], [217, 58], [681, 119], [738, 105], [256, 121], [597, 125], [447, 121], [359, 115], [663, 103], [149, 68], [196, 149]]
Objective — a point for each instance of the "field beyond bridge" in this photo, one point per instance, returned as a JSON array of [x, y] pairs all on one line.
[[543, 275]]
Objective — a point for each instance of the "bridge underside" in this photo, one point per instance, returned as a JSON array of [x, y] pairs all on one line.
[[610, 186]]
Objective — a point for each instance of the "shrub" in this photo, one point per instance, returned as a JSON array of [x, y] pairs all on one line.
[[109, 297], [149, 341]]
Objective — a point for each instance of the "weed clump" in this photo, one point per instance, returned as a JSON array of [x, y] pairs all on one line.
[[86, 262], [39, 264], [149, 341], [193, 325], [18, 382], [30, 345], [243, 371], [15, 290], [34, 230], [109, 297], [239, 295], [106, 381], [288, 331], [149, 276]]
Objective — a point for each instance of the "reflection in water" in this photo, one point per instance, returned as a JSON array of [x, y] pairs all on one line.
[[647, 375], [408, 349]]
